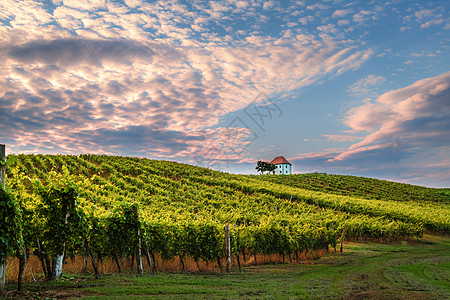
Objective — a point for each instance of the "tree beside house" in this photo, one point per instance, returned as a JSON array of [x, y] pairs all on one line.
[[263, 166]]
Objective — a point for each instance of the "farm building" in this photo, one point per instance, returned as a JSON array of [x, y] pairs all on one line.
[[282, 166]]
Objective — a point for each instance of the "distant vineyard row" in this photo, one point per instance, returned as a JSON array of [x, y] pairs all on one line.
[[361, 187]]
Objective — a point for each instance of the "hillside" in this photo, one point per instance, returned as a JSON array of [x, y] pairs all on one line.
[[361, 187], [113, 179], [179, 210]]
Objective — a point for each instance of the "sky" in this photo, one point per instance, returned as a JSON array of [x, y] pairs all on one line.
[[342, 87]]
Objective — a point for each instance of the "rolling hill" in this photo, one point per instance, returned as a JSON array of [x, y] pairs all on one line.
[[112, 204]]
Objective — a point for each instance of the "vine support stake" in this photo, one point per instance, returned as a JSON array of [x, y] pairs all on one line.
[[139, 253], [2, 274], [342, 240], [91, 255], [2, 165], [390, 234], [228, 248], [2, 179]]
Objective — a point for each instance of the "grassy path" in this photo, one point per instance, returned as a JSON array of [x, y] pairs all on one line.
[[364, 271]]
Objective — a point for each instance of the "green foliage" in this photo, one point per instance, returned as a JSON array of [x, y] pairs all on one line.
[[122, 227], [64, 222], [361, 187], [207, 238], [28, 202], [10, 223], [263, 166]]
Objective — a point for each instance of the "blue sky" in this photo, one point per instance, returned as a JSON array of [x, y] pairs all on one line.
[[343, 87]]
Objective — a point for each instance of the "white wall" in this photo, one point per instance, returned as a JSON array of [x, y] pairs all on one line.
[[283, 169]]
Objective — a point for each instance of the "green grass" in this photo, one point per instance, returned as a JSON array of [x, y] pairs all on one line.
[[365, 271]]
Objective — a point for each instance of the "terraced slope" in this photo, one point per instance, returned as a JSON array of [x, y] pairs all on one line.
[[361, 187]]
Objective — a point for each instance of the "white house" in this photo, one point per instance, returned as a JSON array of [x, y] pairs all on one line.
[[282, 166]]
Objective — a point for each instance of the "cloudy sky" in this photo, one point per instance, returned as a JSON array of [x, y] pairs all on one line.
[[343, 87]]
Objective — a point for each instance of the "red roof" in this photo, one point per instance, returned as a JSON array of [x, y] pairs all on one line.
[[280, 160]]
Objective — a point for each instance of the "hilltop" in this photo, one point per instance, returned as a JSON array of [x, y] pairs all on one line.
[[361, 187]]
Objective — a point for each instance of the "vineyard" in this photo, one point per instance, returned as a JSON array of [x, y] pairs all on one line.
[[361, 187], [98, 206]]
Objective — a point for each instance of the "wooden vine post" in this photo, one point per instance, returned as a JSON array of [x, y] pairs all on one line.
[[58, 261], [228, 248], [139, 252], [237, 250], [390, 234], [342, 240], [91, 255], [2, 165], [2, 180]]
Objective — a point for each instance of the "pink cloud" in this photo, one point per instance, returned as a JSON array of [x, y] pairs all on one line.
[[342, 13], [364, 86], [92, 74], [405, 137], [323, 155], [424, 13], [341, 137], [417, 116]]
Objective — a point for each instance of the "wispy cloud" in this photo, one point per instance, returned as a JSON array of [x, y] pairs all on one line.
[[67, 52], [154, 71], [342, 13], [426, 17], [158, 78], [341, 137], [364, 86], [409, 127], [415, 114]]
